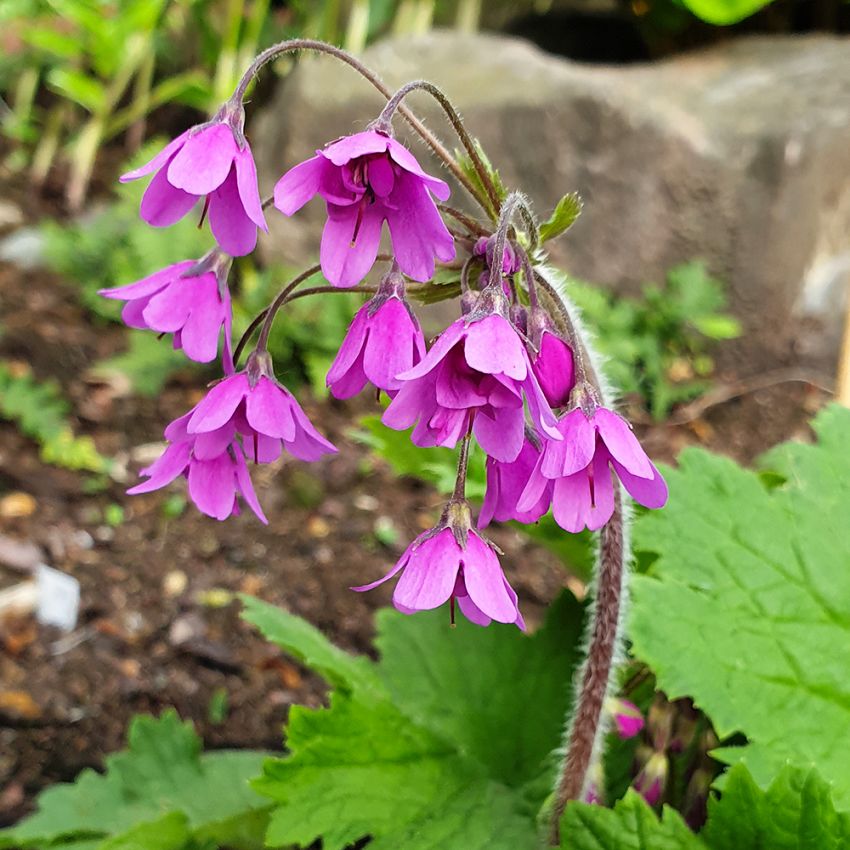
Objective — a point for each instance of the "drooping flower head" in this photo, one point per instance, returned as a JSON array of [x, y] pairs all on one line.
[[477, 374], [189, 299], [214, 465], [265, 414], [384, 339], [485, 247], [211, 161], [552, 358], [366, 179], [594, 441], [453, 563], [506, 482]]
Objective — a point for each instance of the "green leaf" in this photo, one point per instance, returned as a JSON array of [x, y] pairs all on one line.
[[724, 12], [466, 166], [445, 744], [747, 608], [630, 825], [306, 643], [79, 87], [168, 833], [162, 777], [566, 211], [795, 813]]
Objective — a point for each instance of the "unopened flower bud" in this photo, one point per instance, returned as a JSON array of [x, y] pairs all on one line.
[[652, 779], [628, 719]]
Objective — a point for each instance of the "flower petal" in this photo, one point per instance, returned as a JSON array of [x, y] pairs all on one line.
[[163, 204], [351, 348], [619, 439], [493, 347], [230, 224], [246, 486], [204, 161], [419, 234], [445, 341], [399, 564], [485, 582], [574, 451], [299, 185], [212, 486], [249, 190], [218, 405], [501, 436], [168, 466], [347, 148], [403, 157], [429, 577], [649, 492], [268, 409], [350, 242], [148, 285], [158, 161]]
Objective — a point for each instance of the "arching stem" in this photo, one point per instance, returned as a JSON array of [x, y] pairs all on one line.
[[385, 121], [296, 44], [515, 203]]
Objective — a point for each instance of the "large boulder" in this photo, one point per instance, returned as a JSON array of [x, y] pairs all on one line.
[[739, 154]]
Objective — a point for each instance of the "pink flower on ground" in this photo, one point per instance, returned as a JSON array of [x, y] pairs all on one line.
[[505, 484], [453, 562], [189, 299], [214, 465], [579, 468], [628, 719], [211, 161], [366, 179], [266, 415], [383, 340], [475, 375]]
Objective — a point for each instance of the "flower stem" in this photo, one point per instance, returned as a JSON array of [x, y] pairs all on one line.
[[295, 44], [516, 202], [386, 116], [462, 465], [584, 731]]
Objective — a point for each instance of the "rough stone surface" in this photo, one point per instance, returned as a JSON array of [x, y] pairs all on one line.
[[739, 154]]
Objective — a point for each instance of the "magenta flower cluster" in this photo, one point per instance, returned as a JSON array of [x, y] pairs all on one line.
[[501, 373]]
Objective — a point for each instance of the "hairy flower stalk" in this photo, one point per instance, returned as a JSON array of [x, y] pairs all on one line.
[[585, 727]]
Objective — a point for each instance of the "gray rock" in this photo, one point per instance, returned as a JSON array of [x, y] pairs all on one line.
[[24, 247], [739, 154]]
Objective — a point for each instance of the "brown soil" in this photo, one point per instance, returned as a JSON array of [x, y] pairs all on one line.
[[158, 624]]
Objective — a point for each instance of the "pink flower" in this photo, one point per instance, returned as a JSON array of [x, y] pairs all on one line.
[[552, 358], [189, 299], [266, 415], [627, 717], [211, 161], [475, 375], [505, 484], [214, 465], [453, 562], [383, 340], [579, 468], [652, 779], [365, 179]]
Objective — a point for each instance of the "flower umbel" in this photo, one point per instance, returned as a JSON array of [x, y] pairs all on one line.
[[453, 562], [366, 179], [211, 161]]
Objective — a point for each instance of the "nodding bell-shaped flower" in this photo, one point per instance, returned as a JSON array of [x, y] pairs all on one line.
[[594, 441], [453, 563], [506, 483], [384, 339], [552, 359], [189, 299], [627, 717], [366, 179], [214, 465], [211, 161], [265, 414], [476, 376]]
